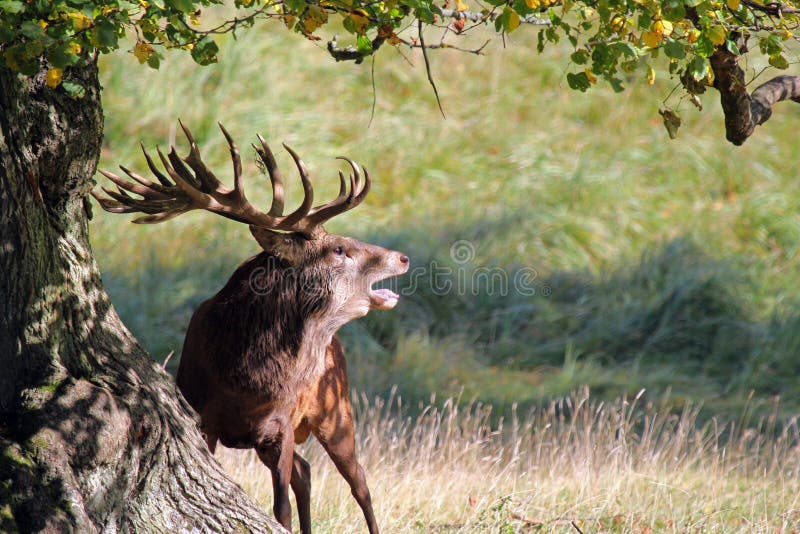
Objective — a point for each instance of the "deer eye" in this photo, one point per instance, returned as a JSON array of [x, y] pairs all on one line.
[[338, 250]]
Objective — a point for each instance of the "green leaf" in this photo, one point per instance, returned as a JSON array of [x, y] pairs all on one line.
[[770, 45], [578, 81], [106, 33], [673, 11], [616, 84], [154, 60], [31, 30], [12, 6], [603, 57], [732, 48], [363, 44], [779, 62], [187, 6], [580, 57], [61, 57], [624, 48], [204, 51], [698, 68], [704, 47], [75, 90], [674, 49]]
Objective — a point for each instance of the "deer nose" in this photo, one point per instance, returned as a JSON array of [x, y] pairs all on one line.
[[404, 259]]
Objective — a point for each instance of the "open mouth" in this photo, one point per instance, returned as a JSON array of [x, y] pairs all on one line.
[[383, 299]]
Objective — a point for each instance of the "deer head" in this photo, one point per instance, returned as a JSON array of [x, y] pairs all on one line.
[[334, 274]]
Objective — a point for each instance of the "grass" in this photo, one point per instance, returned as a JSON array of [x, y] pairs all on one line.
[[577, 464], [581, 246]]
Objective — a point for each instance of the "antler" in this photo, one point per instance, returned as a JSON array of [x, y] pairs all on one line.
[[198, 188]]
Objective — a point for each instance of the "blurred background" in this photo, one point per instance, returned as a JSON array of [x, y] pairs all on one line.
[[601, 327], [630, 261]]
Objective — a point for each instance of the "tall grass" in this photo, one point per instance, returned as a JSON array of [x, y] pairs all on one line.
[[576, 464]]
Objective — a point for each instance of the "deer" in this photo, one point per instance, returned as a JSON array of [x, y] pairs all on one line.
[[261, 363]]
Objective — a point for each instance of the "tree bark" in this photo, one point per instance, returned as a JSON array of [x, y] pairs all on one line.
[[94, 436], [743, 111]]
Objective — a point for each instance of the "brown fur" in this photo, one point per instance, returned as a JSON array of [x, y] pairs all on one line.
[[263, 369]]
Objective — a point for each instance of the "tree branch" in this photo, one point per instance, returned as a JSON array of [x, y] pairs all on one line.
[[743, 111]]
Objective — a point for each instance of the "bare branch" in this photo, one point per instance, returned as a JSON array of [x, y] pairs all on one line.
[[490, 16], [428, 68]]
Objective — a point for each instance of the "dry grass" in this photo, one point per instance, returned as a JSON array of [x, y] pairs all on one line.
[[577, 464]]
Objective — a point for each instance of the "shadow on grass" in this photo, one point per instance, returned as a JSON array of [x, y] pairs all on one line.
[[676, 318]]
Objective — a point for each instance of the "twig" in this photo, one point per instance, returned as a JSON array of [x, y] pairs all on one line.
[[374, 93], [576, 527], [428, 68], [477, 51], [166, 360], [490, 17]]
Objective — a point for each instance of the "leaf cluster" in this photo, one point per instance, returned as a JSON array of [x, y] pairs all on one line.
[[610, 38]]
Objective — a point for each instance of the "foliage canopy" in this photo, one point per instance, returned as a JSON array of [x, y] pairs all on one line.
[[611, 38]]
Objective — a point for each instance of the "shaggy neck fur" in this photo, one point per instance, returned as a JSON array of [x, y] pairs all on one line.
[[274, 331]]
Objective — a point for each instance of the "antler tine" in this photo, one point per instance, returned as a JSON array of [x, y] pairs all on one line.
[[198, 197], [308, 194], [157, 188], [342, 197], [139, 189], [180, 168], [268, 158], [238, 184], [112, 206], [152, 166], [208, 181], [357, 175], [344, 203]]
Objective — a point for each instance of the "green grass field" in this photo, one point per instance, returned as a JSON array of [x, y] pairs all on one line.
[[644, 263]]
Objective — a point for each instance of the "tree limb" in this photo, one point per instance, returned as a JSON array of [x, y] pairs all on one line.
[[743, 111]]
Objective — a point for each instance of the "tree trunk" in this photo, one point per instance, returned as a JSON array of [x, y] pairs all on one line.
[[93, 435]]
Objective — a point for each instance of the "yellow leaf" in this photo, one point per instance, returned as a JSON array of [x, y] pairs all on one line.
[[590, 75], [717, 35], [692, 36], [142, 51], [652, 39], [513, 21], [74, 48], [360, 21], [461, 6], [80, 21], [313, 18], [651, 76], [532, 4], [666, 28], [618, 23], [53, 77], [733, 5]]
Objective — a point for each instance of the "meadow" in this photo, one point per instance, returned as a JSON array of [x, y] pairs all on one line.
[[564, 252]]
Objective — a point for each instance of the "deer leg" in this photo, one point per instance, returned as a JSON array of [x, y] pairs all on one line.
[[301, 485], [337, 437], [276, 452]]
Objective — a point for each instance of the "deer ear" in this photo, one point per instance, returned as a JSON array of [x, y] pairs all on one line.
[[277, 243]]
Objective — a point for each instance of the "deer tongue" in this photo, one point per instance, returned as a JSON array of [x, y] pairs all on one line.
[[383, 299]]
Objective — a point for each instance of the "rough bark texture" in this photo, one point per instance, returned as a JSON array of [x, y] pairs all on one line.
[[93, 436], [743, 111]]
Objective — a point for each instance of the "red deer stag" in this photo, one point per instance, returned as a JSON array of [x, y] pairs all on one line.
[[261, 363]]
